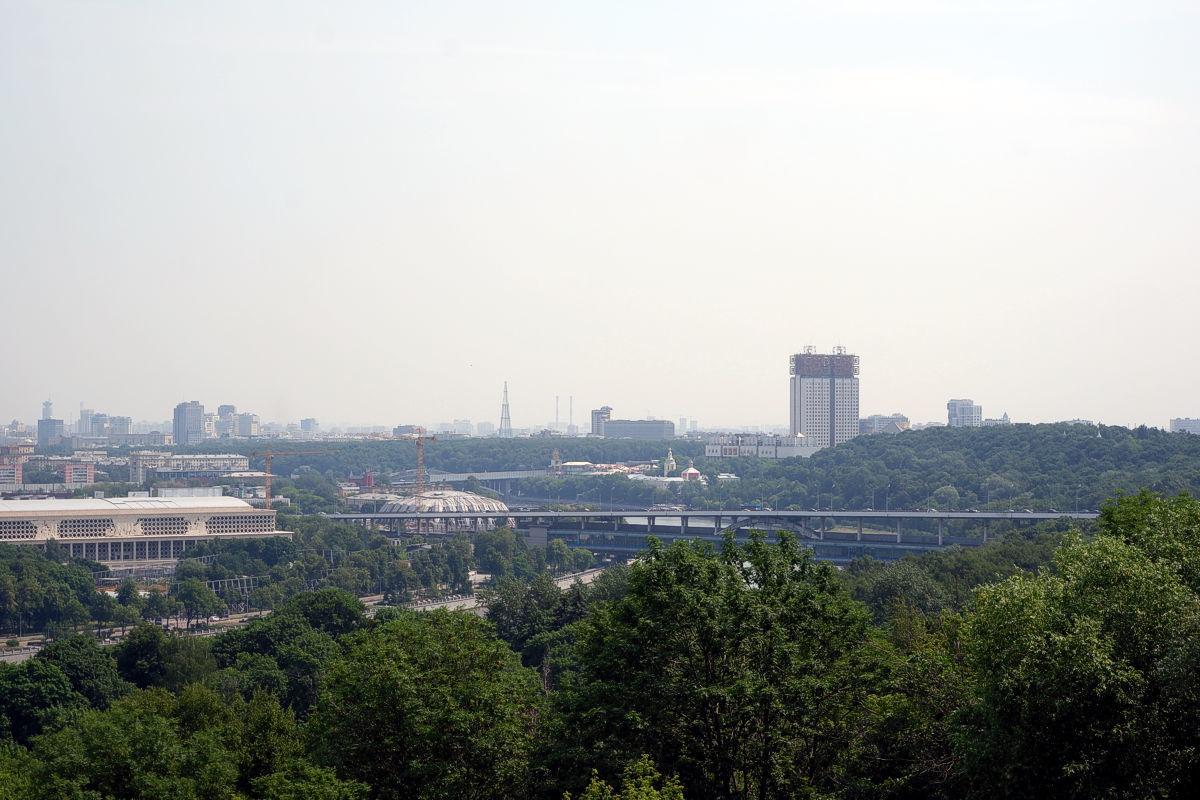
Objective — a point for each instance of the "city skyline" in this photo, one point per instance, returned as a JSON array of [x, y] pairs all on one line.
[[582, 420], [378, 214]]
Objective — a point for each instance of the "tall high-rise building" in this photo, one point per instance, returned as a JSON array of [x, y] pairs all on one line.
[[50, 431], [599, 417], [47, 409], [963, 414], [84, 428], [824, 396], [189, 423], [247, 425]]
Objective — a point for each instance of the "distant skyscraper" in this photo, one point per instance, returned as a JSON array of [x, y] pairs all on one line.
[[189, 423], [84, 428], [50, 431], [599, 417], [226, 410], [963, 414], [247, 425], [824, 396]]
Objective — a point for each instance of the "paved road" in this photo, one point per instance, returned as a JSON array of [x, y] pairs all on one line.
[[16, 656], [471, 602]]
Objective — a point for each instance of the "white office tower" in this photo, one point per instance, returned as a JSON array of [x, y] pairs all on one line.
[[824, 396], [963, 413]]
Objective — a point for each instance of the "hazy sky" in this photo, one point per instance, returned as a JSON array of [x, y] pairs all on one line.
[[381, 211]]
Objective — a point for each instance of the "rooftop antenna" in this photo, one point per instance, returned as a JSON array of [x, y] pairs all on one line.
[[505, 421]]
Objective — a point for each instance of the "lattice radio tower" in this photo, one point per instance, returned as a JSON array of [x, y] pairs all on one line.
[[505, 421]]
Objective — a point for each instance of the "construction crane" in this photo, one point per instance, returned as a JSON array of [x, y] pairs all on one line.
[[268, 455], [421, 440]]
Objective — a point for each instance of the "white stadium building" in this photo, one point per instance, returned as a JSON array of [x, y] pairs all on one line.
[[129, 530]]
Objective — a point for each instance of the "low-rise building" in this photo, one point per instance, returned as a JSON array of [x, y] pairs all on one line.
[[1185, 425], [762, 445], [147, 465], [131, 529], [648, 429], [883, 423]]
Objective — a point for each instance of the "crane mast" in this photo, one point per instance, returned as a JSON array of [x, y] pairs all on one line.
[[421, 440], [267, 454]]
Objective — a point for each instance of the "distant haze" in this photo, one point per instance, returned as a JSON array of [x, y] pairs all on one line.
[[379, 212]]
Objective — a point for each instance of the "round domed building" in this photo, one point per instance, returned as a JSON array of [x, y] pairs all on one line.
[[448, 500]]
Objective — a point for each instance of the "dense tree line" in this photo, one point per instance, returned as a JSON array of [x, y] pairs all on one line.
[[1060, 466], [1039, 467], [1044, 466], [42, 594], [452, 455]]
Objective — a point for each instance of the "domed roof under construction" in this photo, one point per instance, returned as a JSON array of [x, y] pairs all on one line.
[[446, 500]]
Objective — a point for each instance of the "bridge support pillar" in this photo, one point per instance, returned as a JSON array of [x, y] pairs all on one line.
[[899, 529], [649, 523], [985, 531], [939, 531], [859, 539]]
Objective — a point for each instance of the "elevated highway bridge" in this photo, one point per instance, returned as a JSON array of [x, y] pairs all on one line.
[[832, 535]]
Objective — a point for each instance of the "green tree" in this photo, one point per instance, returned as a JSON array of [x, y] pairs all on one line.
[[157, 605], [639, 781], [731, 669], [128, 595], [34, 696], [142, 656], [558, 555], [199, 601], [16, 772], [1088, 677], [303, 781], [428, 706], [91, 669], [147, 745], [332, 611]]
